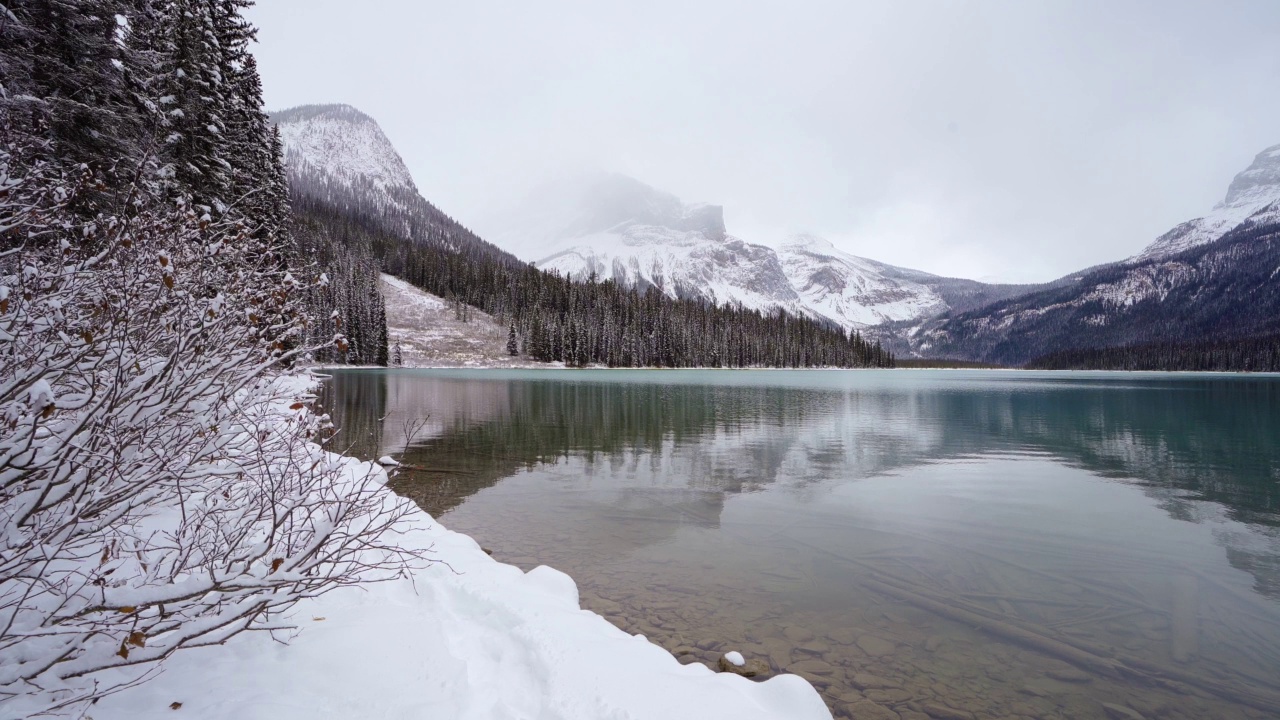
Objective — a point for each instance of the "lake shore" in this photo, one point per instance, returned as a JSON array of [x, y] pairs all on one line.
[[466, 637]]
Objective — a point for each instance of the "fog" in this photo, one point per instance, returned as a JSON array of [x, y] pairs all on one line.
[[995, 140]]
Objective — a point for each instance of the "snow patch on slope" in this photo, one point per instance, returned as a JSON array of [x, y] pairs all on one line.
[[1150, 281], [431, 335]]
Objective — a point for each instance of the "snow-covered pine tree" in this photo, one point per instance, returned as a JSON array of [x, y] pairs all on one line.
[[67, 78]]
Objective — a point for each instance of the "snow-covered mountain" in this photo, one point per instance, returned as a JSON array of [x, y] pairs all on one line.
[[1213, 278], [1218, 270], [1256, 189], [617, 227], [339, 156], [342, 144], [853, 291], [614, 227]]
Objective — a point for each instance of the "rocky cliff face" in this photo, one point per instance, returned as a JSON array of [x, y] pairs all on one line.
[[342, 144]]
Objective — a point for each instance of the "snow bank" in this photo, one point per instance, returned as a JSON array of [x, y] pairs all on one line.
[[467, 638]]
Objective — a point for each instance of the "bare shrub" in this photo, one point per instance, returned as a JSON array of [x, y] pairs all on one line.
[[160, 487]]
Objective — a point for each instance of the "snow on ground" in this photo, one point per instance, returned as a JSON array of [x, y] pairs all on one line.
[[467, 638], [430, 335]]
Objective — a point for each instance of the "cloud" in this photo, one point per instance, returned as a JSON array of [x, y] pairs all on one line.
[[1010, 139]]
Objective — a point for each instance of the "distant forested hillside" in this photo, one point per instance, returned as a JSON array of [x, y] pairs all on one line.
[[1249, 354], [556, 319], [356, 211], [1217, 294]]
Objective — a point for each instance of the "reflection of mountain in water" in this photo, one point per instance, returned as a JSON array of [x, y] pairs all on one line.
[[1204, 450]]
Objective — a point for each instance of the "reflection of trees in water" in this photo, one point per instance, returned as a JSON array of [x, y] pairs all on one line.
[[356, 401], [1203, 449], [1202, 453], [667, 428], [1214, 440]]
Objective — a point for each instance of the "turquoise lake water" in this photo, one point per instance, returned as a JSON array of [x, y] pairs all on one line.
[[919, 544]]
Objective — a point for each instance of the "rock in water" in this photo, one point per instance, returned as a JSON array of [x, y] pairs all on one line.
[[867, 681], [1067, 673], [745, 668], [797, 634]]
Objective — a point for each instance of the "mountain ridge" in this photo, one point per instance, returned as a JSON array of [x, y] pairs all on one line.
[[687, 250], [337, 154], [363, 210], [609, 226]]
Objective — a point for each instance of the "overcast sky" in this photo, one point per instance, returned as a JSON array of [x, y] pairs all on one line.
[[1013, 140]]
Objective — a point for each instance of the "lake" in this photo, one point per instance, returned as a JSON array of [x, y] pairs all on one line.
[[919, 544]]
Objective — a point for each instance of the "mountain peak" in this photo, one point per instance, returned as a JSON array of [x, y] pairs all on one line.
[[302, 113], [612, 199], [342, 143], [1253, 190], [808, 242], [1262, 178]]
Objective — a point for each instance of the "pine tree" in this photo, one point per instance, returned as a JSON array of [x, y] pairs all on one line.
[[68, 78], [513, 348]]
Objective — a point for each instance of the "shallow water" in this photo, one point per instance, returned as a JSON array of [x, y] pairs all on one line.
[[919, 544]]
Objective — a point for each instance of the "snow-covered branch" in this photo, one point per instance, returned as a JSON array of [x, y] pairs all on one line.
[[161, 485]]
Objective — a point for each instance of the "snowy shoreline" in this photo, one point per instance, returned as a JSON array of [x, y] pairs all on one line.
[[467, 637]]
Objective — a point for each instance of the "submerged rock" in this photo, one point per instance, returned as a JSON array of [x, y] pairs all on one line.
[[797, 634], [875, 646], [867, 710], [1067, 673], [810, 667], [867, 681], [1120, 712], [843, 636], [942, 712]]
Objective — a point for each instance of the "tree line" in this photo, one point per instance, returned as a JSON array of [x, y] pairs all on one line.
[[552, 318], [1249, 354]]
